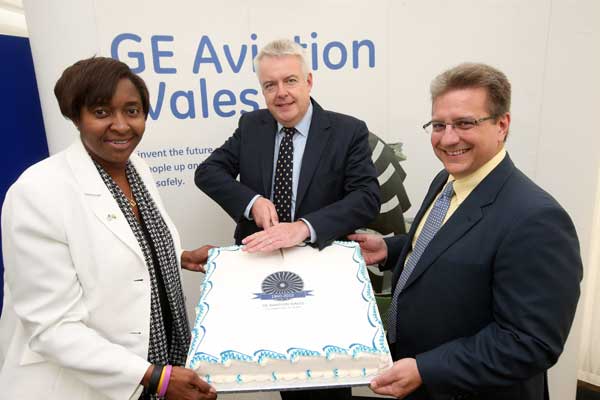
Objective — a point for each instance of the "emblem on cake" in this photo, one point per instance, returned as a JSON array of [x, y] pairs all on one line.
[[282, 285]]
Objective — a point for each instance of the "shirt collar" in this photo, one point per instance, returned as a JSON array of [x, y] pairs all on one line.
[[464, 186], [304, 125]]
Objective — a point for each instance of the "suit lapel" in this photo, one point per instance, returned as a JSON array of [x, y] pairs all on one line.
[[98, 197], [434, 189], [468, 214], [265, 137], [318, 136], [457, 225]]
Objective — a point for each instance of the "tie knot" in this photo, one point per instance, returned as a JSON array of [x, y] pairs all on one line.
[[289, 131], [448, 190]]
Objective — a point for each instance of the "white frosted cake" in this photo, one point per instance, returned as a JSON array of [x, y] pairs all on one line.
[[293, 318]]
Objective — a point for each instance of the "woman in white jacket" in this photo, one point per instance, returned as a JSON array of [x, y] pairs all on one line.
[[92, 259]]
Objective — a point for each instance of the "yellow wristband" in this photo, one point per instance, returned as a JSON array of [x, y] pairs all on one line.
[[160, 381]]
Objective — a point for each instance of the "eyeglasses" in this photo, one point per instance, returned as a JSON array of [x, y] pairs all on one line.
[[461, 124]]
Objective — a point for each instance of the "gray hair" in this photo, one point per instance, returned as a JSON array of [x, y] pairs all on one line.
[[280, 48], [476, 75]]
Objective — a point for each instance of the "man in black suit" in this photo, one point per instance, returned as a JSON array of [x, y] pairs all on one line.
[[487, 279], [305, 174]]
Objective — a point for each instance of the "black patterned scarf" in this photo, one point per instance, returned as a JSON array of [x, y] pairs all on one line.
[[159, 352]]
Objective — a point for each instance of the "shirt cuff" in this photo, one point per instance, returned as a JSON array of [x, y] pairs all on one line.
[[247, 213], [313, 233]]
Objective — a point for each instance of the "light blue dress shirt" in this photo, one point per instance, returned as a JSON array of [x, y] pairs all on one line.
[[299, 141]]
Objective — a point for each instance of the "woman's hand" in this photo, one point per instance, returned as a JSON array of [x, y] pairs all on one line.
[[194, 260], [185, 384]]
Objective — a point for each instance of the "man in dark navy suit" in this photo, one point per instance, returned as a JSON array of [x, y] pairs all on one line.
[[305, 174], [486, 282], [334, 188]]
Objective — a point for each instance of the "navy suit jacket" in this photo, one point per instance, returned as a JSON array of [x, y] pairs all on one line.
[[490, 303], [338, 190]]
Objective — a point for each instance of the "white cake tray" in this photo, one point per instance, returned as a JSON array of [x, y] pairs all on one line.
[[273, 386]]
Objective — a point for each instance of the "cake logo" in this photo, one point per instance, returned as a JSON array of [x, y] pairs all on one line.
[[282, 285]]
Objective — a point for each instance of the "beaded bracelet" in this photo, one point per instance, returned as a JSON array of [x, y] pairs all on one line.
[[164, 384], [154, 378]]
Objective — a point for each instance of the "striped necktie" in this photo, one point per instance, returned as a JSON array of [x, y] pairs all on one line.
[[432, 225]]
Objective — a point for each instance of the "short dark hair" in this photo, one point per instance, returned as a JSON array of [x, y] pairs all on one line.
[[474, 75], [93, 81]]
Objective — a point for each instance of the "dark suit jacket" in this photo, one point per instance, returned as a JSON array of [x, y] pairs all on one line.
[[490, 303], [338, 190]]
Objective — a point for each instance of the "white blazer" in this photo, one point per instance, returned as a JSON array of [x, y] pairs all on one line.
[[78, 283]]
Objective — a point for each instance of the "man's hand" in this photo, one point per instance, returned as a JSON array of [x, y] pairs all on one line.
[[277, 237], [373, 247], [194, 260], [264, 213], [399, 381]]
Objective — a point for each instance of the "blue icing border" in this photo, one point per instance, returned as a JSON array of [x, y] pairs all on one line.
[[199, 356], [203, 307], [358, 348], [296, 352], [234, 355], [379, 343], [330, 350], [260, 355]]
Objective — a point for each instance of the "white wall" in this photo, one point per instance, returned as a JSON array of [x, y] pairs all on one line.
[[12, 20], [568, 158]]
